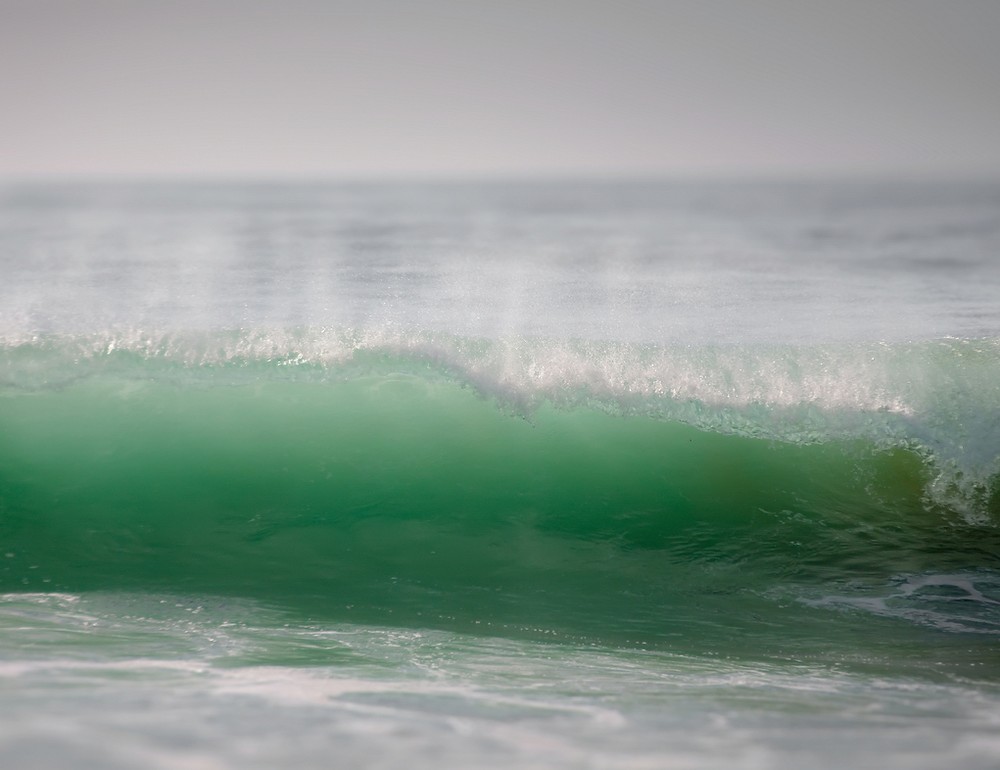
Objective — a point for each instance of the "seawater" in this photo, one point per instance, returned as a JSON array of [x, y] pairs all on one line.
[[550, 474]]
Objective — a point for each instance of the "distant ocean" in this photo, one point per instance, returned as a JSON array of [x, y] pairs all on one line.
[[540, 475]]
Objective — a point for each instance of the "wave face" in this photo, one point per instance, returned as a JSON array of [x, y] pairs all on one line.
[[620, 410], [609, 491]]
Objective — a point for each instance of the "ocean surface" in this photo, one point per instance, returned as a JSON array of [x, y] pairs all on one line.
[[505, 475]]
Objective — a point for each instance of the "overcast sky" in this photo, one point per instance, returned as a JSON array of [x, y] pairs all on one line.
[[458, 87]]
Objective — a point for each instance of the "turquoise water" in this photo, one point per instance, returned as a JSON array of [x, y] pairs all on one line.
[[487, 476]]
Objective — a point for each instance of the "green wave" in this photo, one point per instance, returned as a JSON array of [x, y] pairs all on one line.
[[413, 499]]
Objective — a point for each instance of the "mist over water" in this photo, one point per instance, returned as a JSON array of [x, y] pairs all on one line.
[[695, 263]]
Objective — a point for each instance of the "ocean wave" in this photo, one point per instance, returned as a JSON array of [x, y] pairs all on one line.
[[940, 398]]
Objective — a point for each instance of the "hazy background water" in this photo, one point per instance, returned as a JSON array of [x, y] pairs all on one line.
[[698, 262]]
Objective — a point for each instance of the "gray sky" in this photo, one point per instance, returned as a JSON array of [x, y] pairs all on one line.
[[451, 87]]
